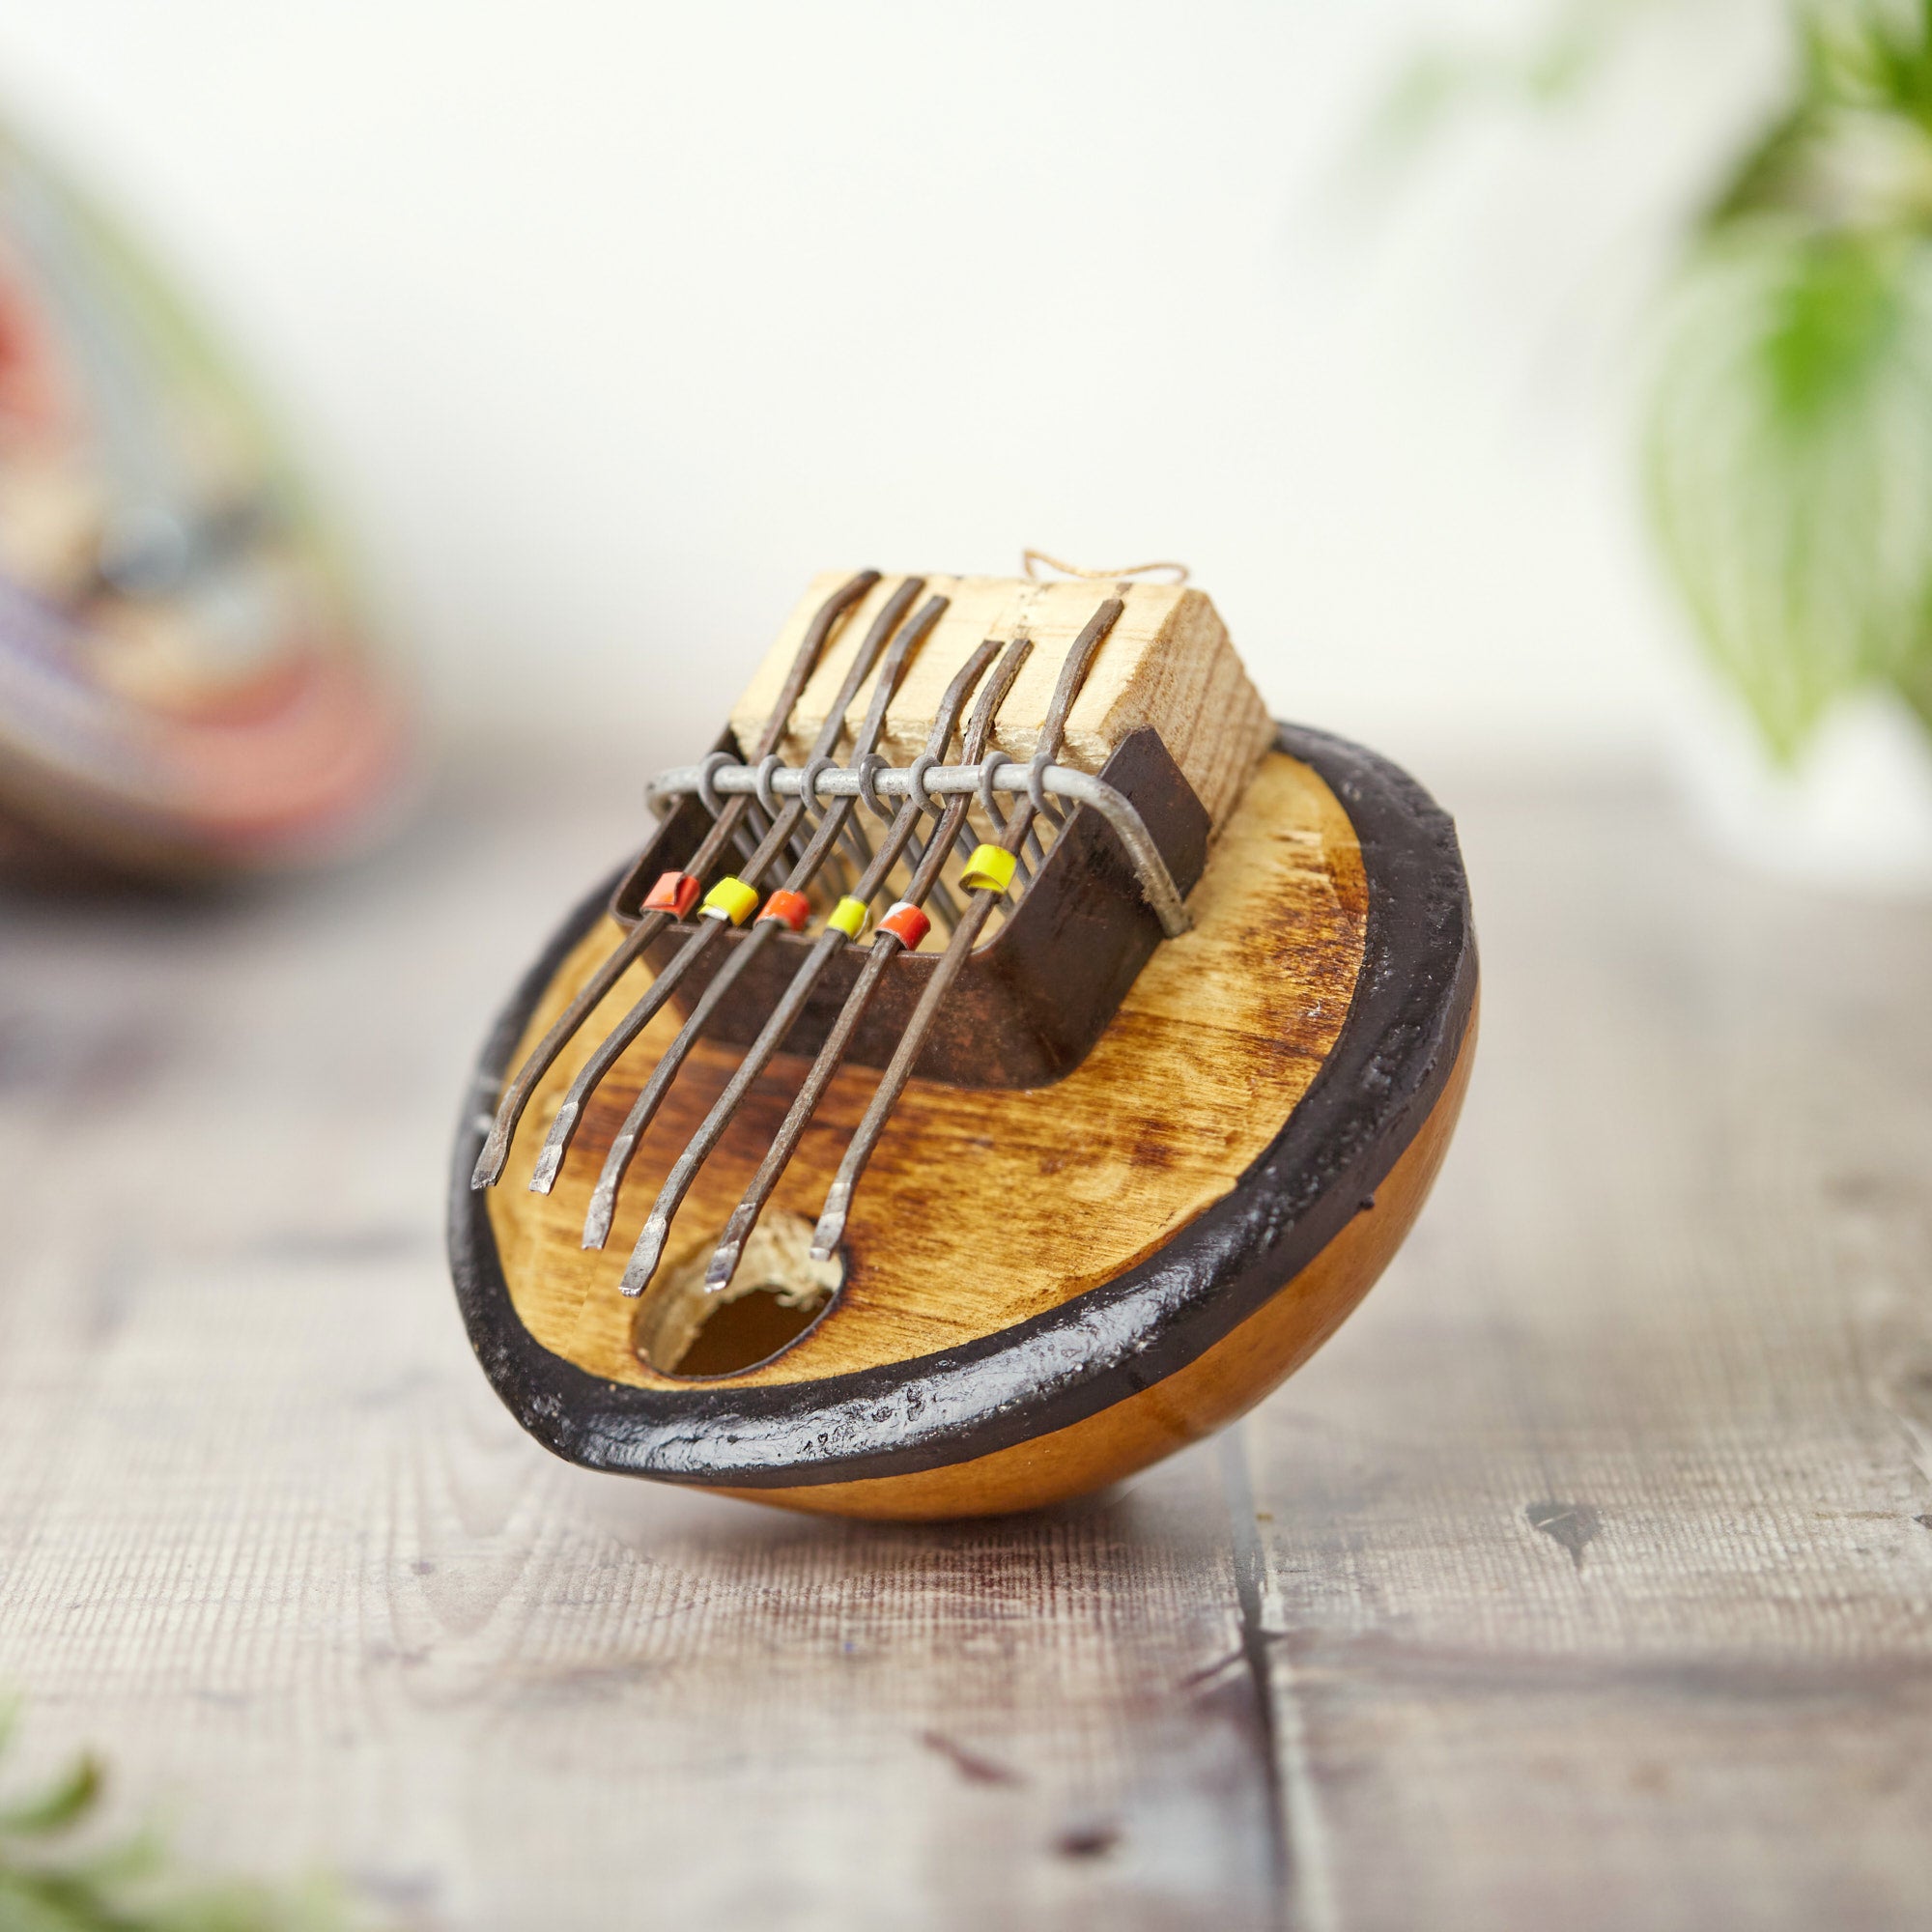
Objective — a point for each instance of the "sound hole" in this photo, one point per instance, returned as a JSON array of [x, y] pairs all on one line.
[[778, 1293]]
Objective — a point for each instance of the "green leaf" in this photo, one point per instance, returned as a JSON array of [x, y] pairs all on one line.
[[1913, 681], [26, 1906], [62, 1803], [128, 1885], [1577, 42], [1789, 462]]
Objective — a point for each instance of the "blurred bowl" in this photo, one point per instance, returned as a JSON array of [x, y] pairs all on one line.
[[185, 682]]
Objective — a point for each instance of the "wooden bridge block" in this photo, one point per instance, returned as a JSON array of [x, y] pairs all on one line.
[[1167, 663]]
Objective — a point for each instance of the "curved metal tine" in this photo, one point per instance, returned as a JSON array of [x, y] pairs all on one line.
[[939, 897], [650, 1098], [623, 1147], [796, 847], [832, 862], [770, 847], [854, 846], [1035, 847], [837, 872], [550, 1156], [755, 825], [1039, 848], [948, 908], [746, 836], [838, 1207], [495, 1148], [699, 1149], [886, 946]]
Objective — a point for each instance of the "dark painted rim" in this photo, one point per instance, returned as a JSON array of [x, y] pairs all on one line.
[[1388, 1067]]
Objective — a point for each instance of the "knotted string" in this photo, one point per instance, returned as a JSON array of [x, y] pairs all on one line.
[[1030, 558]]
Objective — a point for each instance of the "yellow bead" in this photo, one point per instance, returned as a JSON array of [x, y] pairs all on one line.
[[990, 866], [732, 899], [849, 917]]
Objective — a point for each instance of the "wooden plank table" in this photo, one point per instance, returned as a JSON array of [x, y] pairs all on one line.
[[1582, 1581]]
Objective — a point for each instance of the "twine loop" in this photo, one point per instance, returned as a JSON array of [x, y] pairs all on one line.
[[1030, 559]]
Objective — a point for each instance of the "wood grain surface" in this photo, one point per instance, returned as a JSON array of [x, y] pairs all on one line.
[[1219, 1385], [1167, 663], [980, 1209], [1584, 1579]]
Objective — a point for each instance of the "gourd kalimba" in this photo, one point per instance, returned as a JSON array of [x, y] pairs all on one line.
[[1011, 1056]]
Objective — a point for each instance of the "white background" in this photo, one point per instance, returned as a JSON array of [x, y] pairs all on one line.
[[604, 325]]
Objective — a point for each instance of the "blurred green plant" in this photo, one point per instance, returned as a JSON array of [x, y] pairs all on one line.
[[48, 1883], [1788, 433]]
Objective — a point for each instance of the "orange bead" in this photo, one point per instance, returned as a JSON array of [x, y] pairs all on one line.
[[907, 924], [674, 892], [790, 909]]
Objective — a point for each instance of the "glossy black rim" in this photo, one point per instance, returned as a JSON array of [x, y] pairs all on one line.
[[1388, 1066]]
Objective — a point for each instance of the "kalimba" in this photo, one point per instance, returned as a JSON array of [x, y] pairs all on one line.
[[1009, 1056]]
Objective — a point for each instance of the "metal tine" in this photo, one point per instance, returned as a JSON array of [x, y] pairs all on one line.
[[836, 870], [604, 1197], [885, 946], [790, 844], [649, 1250], [835, 860], [745, 834], [838, 864], [800, 841], [751, 829], [610, 1049], [939, 897], [854, 845], [1037, 848], [495, 1148], [1036, 845], [838, 1207]]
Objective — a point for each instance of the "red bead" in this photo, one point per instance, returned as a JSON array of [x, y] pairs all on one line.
[[790, 909], [907, 924], [674, 892]]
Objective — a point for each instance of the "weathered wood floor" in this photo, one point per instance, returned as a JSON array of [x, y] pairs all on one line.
[[1585, 1580]]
